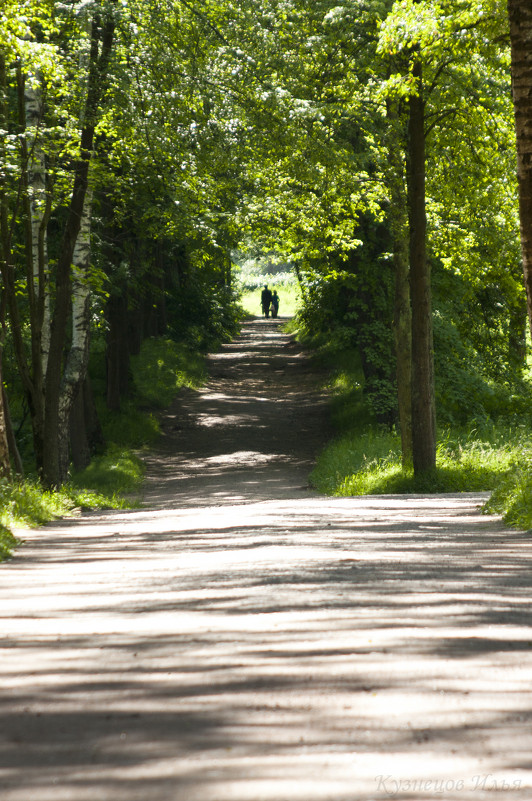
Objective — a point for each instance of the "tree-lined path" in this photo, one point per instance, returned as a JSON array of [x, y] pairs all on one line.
[[251, 434], [242, 638]]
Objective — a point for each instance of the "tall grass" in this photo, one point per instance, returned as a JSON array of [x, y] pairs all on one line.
[[370, 463]]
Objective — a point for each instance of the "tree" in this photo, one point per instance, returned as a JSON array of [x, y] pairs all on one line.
[[423, 394], [520, 16]]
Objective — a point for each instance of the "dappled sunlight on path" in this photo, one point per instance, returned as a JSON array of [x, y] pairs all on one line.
[[289, 647], [250, 434]]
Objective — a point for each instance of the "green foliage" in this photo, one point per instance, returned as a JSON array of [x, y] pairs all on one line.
[[369, 462], [130, 427], [479, 360], [116, 472], [203, 314], [162, 368]]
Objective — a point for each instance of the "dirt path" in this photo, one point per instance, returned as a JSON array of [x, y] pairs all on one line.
[[251, 434], [243, 640]]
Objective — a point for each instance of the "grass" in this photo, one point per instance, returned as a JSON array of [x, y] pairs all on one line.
[[162, 368], [24, 504], [369, 463], [512, 498], [365, 457]]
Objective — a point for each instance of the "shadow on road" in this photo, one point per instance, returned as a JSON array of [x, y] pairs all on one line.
[[244, 639]]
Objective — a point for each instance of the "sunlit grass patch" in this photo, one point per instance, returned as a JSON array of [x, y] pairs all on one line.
[[162, 368], [512, 498], [117, 471], [8, 542], [370, 463]]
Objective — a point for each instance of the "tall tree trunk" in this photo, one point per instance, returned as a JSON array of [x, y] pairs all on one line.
[[86, 435], [14, 452], [402, 320], [78, 354], [54, 436], [5, 465], [39, 209], [30, 372], [5, 462], [79, 442], [423, 396], [38, 205], [520, 14]]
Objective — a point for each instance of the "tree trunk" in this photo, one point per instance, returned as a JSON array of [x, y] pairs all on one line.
[[92, 423], [423, 403], [78, 355], [5, 462], [402, 320], [31, 376], [14, 452], [39, 208], [55, 434], [403, 344], [520, 14]]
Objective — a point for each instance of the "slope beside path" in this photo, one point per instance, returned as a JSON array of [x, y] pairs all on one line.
[[244, 639]]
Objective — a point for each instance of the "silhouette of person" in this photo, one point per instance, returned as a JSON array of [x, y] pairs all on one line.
[[275, 303], [266, 299]]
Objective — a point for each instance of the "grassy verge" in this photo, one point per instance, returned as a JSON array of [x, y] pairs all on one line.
[[161, 369], [365, 457]]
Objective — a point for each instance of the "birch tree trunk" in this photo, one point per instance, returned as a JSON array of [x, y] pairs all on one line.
[[78, 354], [101, 41], [520, 15], [5, 466]]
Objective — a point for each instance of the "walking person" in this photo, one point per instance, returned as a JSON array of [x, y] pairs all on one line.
[[266, 299], [275, 303]]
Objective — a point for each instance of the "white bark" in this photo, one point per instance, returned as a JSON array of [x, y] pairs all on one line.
[[78, 355]]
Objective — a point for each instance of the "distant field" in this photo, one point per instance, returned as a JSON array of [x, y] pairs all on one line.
[[289, 295]]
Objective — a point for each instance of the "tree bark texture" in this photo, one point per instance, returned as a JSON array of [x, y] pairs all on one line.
[[86, 435], [39, 209], [78, 354], [5, 462], [520, 15], [55, 434], [14, 452], [423, 395], [402, 319]]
